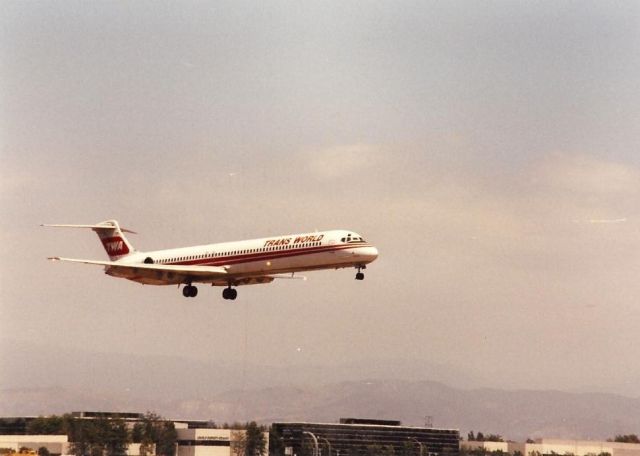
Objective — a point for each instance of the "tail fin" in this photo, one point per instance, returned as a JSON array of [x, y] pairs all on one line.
[[111, 235]]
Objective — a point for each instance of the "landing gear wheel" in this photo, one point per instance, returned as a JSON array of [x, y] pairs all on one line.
[[360, 276], [189, 291], [229, 293]]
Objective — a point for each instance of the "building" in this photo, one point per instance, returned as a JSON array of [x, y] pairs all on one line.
[[211, 442], [13, 434], [55, 444], [556, 447], [355, 437], [194, 437]]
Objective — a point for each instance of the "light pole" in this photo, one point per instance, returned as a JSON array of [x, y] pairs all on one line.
[[328, 443], [315, 442], [418, 442]]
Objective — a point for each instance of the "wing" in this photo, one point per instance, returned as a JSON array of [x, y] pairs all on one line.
[[157, 274], [163, 274]]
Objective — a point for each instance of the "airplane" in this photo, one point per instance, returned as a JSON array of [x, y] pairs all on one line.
[[228, 264]]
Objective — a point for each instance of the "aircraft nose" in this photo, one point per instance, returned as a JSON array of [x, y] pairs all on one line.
[[370, 253]]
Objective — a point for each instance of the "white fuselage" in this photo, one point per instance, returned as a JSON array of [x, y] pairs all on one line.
[[259, 258]]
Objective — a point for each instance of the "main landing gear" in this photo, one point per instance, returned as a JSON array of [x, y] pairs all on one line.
[[360, 275], [230, 293], [189, 291]]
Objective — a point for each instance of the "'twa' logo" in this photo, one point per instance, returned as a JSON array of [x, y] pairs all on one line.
[[115, 246]]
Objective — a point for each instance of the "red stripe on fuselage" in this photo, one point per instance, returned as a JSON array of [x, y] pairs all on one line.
[[263, 256]]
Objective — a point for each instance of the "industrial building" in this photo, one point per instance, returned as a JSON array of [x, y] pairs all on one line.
[[55, 444], [210, 442], [193, 437], [355, 437], [13, 434], [555, 447]]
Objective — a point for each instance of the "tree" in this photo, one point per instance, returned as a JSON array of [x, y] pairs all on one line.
[[43, 451], [98, 437], [255, 443], [49, 425], [116, 438], [276, 442], [480, 437], [493, 438], [153, 429], [12, 426], [79, 436], [627, 438], [238, 443]]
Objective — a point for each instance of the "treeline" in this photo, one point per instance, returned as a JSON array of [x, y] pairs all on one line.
[[109, 436], [626, 438], [480, 437]]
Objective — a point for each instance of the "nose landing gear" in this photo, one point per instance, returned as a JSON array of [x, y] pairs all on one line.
[[359, 274]]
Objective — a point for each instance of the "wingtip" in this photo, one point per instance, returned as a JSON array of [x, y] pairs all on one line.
[[53, 258]]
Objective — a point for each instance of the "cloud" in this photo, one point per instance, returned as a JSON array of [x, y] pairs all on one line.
[[344, 160], [581, 174], [619, 220]]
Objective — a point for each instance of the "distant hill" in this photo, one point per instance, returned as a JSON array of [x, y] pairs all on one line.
[[38, 380], [29, 365], [513, 414]]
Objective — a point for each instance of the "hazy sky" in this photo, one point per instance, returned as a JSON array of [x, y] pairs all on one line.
[[490, 150]]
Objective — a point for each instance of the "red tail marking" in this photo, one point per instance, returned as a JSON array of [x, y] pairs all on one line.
[[115, 246]]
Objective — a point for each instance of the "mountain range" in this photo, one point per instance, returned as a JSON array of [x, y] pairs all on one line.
[[43, 382]]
